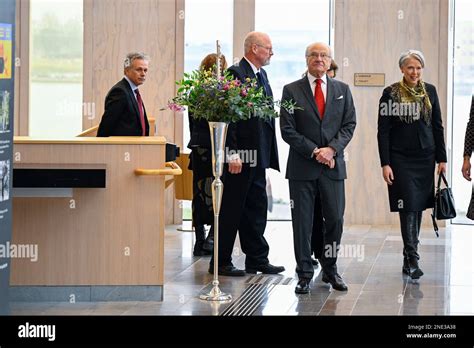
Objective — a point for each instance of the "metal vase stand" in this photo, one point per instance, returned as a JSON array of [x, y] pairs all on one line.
[[218, 132]]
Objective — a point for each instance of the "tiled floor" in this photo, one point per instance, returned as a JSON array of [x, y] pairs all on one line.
[[371, 266]]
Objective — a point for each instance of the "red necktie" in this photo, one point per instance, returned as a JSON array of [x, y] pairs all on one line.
[[140, 110], [319, 98]]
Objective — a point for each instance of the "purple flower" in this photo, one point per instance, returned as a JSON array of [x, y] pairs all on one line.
[[175, 107], [243, 92]]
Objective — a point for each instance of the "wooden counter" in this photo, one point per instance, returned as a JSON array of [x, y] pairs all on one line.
[[109, 237]]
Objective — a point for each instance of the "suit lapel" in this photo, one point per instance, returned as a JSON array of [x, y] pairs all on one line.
[[304, 84], [329, 95], [131, 97], [267, 88], [248, 72]]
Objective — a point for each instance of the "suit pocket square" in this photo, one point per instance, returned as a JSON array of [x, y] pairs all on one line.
[[340, 97]]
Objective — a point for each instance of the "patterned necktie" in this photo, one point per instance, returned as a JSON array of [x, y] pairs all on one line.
[[261, 82], [140, 110], [319, 98]]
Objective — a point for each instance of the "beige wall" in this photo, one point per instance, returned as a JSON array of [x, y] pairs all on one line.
[[112, 28], [369, 37]]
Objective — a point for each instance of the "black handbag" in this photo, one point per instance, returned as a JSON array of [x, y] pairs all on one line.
[[444, 208]]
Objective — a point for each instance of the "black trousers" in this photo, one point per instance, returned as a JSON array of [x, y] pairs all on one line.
[[244, 209], [317, 237], [302, 194]]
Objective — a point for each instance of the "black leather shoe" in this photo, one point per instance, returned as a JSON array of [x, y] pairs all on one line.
[[229, 271], [414, 269], [314, 262], [267, 269], [303, 286], [336, 282], [199, 250], [405, 267], [209, 243]]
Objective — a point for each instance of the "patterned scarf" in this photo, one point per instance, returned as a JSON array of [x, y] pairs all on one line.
[[416, 97]]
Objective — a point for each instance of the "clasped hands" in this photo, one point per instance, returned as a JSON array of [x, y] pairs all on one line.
[[325, 155]]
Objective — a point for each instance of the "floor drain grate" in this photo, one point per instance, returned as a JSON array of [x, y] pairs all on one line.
[[249, 301], [265, 280], [258, 290]]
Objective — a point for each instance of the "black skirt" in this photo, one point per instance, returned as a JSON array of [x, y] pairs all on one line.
[[413, 184]]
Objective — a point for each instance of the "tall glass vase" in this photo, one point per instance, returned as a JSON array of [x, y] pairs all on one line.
[[218, 132]]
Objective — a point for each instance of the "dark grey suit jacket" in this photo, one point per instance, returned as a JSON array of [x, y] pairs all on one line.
[[121, 116], [255, 133], [303, 129]]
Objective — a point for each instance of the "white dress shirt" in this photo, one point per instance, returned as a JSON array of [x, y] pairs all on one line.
[[133, 86], [324, 85]]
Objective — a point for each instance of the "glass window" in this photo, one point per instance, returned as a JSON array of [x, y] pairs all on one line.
[[463, 82], [56, 44], [201, 33], [291, 29]]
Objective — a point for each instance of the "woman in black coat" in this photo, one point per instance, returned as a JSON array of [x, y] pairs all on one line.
[[468, 148], [411, 140], [201, 165]]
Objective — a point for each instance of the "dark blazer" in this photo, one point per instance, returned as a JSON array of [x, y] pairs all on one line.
[[121, 116], [469, 138], [254, 134], [304, 130], [200, 134], [393, 134]]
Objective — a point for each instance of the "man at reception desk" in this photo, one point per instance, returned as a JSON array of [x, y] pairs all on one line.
[[125, 113]]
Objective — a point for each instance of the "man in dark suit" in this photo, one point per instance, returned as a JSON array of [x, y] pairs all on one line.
[[317, 136], [244, 202], [125, 113]]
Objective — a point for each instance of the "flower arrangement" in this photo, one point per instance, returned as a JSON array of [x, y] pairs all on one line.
[[223, 98]]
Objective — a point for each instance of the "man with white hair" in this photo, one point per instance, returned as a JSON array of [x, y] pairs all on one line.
[[125, 113], [245, 202], [317, 134]]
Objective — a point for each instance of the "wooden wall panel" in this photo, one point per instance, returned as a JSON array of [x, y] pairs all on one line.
[[22, 73], [112, 28], [369, 37]]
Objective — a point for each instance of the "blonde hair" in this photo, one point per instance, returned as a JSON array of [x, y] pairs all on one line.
[[210, 61]]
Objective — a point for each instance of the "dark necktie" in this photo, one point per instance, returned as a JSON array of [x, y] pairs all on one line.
[[319, 98], [141, 112], [261, 82]]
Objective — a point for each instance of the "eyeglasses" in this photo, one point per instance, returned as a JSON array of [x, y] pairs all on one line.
[[318, 54], [270, 49]]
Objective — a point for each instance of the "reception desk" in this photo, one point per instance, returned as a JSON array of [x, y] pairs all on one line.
[[95, 243]]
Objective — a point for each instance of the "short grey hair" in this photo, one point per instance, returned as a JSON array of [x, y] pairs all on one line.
[[411, 54], [133, 56], [306, 53]]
